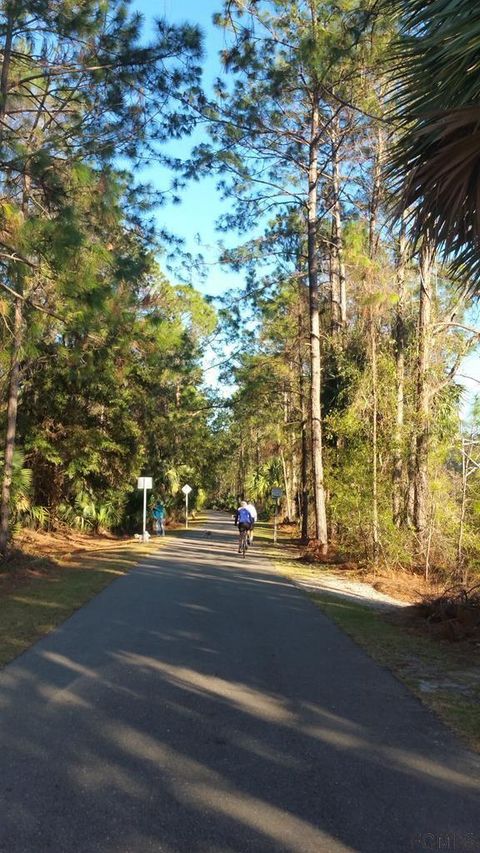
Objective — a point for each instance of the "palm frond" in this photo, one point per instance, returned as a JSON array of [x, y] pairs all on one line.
[[435, 161]]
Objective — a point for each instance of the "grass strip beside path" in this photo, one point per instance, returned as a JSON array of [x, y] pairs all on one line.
[[445, 676], [53, 588], [436, 671], [56, 590]]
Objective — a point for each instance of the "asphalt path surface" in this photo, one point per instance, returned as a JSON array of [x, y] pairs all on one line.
[[202, 703]]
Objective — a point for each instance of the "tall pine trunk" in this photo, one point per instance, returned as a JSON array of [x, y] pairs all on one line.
[[373, 357], [376, 191], [303, 421], [304, 463], [12, 406], [463, 507], [399, 335], [315, 350], [411, 477], [338, 276], [14, 378], [373, 243], [4, 76], [288, 485], [421, 484]]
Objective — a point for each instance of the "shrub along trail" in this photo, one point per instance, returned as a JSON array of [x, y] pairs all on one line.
[[203, 703]]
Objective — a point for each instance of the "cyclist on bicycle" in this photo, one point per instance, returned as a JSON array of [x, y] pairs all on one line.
[[244, 520]]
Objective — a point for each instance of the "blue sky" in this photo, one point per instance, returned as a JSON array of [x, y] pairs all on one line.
[[194, 219]]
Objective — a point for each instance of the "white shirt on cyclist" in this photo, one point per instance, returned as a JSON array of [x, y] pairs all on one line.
[[252, 510]]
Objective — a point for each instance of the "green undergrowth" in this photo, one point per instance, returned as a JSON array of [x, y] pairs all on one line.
[[444, 676]]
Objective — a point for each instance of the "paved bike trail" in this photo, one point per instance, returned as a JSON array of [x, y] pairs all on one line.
[[202, 703]]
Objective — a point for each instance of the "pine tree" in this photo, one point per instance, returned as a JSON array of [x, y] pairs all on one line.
[[76, 89]]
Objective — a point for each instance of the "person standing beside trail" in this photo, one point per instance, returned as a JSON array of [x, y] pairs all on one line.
[[253, 512], [159, 515]]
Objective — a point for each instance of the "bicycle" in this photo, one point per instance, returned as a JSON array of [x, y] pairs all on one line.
[[243, 543]]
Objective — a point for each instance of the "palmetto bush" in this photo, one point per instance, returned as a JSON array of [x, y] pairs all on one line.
[[88, 514], [37, 517], [259, 483], [24, 513]]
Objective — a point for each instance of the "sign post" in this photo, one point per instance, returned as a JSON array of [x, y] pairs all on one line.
[[276, 493], [186, 491], [144, 483]]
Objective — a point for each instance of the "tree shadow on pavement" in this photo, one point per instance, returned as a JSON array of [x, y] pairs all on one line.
[[202, 703]]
